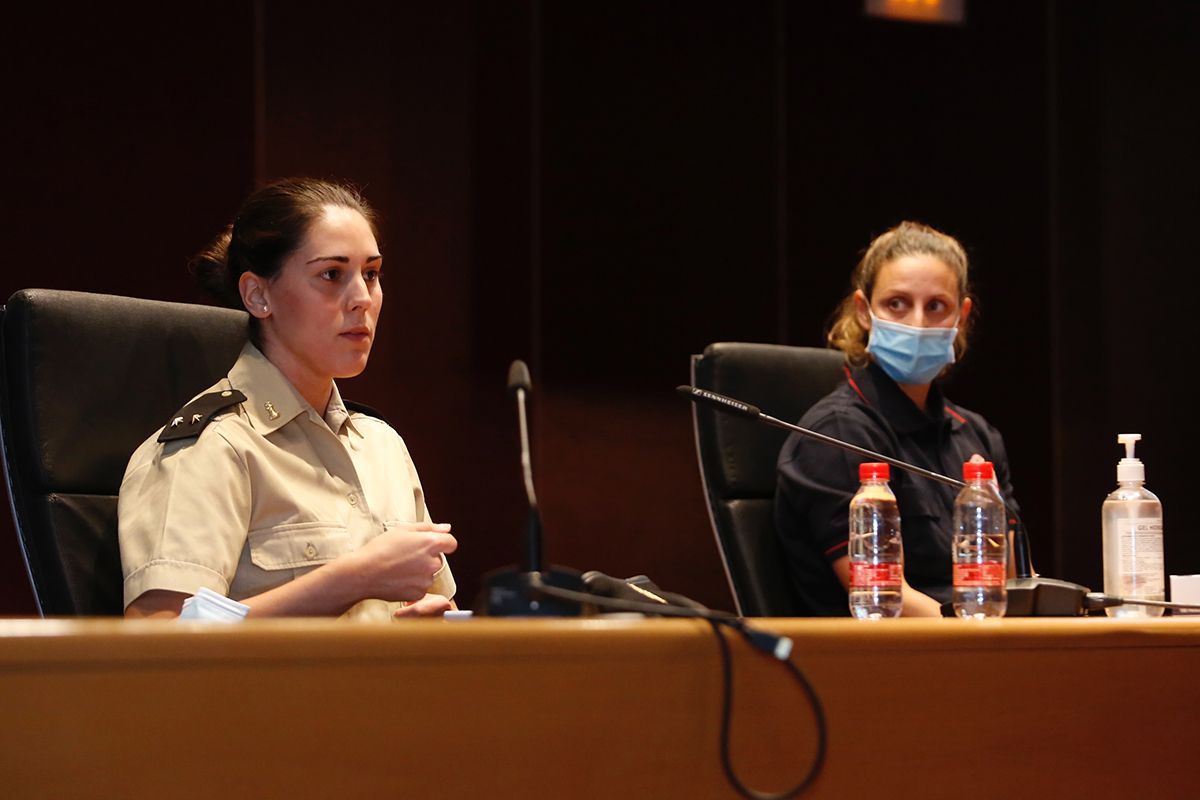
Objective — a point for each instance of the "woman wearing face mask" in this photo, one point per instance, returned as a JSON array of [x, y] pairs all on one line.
[[266, 488], [903, 324]]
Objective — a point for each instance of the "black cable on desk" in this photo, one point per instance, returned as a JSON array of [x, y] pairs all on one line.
[[726, 716], [778, 647]]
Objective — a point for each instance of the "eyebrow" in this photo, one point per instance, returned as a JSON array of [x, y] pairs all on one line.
[[341, 259]]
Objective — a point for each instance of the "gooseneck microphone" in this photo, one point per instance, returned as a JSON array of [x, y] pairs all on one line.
[[1029, 595], [558, 591], [521, 591], [731, 406], [519, 383]]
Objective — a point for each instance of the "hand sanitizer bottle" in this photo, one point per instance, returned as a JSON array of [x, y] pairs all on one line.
[[1132, 525]]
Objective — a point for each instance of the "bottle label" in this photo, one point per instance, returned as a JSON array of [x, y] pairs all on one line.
[[1141, 556], [864, 574], [979, 573]]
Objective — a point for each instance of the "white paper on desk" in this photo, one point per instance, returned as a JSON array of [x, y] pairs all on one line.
[[1185, 589], [213, 607]]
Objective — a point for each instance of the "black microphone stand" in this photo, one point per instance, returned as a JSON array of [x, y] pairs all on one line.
[[513, 591], [1029, 595]]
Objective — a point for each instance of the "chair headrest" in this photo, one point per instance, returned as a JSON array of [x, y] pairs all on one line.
[[783, 382], [87, 377]]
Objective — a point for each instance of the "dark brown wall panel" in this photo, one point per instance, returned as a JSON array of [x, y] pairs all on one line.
[[658, 185], [1130, 191]]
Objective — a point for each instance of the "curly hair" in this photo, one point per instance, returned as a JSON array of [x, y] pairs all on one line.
[[906, 239]]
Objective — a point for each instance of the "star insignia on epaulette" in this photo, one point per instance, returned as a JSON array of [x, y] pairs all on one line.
[[200, 412]]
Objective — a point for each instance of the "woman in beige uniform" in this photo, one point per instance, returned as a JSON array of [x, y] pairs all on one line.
[[265, 488]]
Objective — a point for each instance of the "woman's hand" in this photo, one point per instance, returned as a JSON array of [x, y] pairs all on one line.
[[431, 605], [400, 563], [914, 603], [918, 604]]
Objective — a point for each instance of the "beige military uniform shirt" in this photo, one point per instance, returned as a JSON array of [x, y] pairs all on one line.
[[269, 490]]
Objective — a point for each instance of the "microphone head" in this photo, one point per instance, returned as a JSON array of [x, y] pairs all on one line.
[[518, 377], [607, 586], [719, 401]]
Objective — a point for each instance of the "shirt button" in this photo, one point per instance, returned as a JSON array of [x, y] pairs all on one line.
[[310, 550], [353, 498]]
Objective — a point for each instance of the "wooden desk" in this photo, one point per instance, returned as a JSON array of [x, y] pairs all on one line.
[[594, 708]]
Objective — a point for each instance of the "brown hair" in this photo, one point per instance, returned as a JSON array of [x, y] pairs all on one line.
[[906, 239], [270, 226]]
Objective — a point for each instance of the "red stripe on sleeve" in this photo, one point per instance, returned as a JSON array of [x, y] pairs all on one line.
[[839, 546]]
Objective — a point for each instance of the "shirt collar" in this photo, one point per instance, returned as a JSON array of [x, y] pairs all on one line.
[[337, 415], [271, 399], [880, 391]]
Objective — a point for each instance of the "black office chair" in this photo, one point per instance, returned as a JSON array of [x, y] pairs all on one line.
[[86, 378], [737, 459]]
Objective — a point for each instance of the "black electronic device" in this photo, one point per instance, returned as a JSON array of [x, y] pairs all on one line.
[[1029, 595]]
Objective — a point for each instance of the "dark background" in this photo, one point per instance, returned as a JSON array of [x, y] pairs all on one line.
[[603, 188]]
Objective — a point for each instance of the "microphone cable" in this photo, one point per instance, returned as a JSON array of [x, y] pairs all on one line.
[[778, 647], [1094, 601], [727, 715]]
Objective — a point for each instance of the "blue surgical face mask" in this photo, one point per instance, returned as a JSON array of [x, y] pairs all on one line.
[[908, 354]]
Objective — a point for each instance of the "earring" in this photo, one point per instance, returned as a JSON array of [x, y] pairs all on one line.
[[264, 308]]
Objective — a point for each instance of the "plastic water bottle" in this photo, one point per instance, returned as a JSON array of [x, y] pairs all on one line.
[[876, 552], [1132, 528], [979, 552]]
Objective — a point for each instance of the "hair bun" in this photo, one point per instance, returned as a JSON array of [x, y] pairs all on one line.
[[210, 268]]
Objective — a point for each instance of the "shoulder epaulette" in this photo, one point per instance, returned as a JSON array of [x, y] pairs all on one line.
[[190, 420], [362, 408]]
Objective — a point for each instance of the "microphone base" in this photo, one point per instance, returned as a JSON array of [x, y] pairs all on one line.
[[1045, 597], [1039, 597], [511, 592]]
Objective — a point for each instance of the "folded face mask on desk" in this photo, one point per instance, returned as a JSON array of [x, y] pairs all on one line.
[[209, 606], [909, 354]]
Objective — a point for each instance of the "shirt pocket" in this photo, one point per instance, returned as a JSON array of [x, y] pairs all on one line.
[[298, 545]]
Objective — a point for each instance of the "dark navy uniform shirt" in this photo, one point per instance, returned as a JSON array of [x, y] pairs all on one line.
[[817, 480]]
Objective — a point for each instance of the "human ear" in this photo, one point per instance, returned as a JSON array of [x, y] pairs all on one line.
[[862, 309], [964, 313], [254, 297]]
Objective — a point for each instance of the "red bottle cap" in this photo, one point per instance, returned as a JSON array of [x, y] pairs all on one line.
[[873, 470], [976, 470]]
